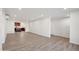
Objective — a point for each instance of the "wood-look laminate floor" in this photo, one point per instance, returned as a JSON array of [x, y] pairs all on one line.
[[32, 42]]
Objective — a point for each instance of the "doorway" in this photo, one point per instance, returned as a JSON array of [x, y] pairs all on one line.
[[18, 27]]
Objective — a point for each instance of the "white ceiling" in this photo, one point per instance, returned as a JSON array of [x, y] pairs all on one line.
[[32, 13]]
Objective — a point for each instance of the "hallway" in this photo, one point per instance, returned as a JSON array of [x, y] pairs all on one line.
[[33, 42]]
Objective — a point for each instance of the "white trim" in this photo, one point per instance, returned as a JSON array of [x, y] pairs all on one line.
[[74, 42]]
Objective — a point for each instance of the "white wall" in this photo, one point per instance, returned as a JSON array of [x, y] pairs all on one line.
[[10, 25], [2, 28], [41, 27], [60, 27], [74, 28]]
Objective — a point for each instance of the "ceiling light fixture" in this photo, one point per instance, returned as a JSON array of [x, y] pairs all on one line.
[[20, 8], [65, 8]]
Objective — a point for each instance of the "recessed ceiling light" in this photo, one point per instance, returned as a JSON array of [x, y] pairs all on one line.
[[20, 8], [65, 8]]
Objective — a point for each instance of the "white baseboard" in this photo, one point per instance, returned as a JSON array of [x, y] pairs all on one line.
[[65, 36], [74, 42]]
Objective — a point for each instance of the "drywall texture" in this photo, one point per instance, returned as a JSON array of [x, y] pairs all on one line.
[[60, 27], [74, 28], [41, 26]]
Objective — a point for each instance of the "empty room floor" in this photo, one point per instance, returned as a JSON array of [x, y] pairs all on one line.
[[32, 42]]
